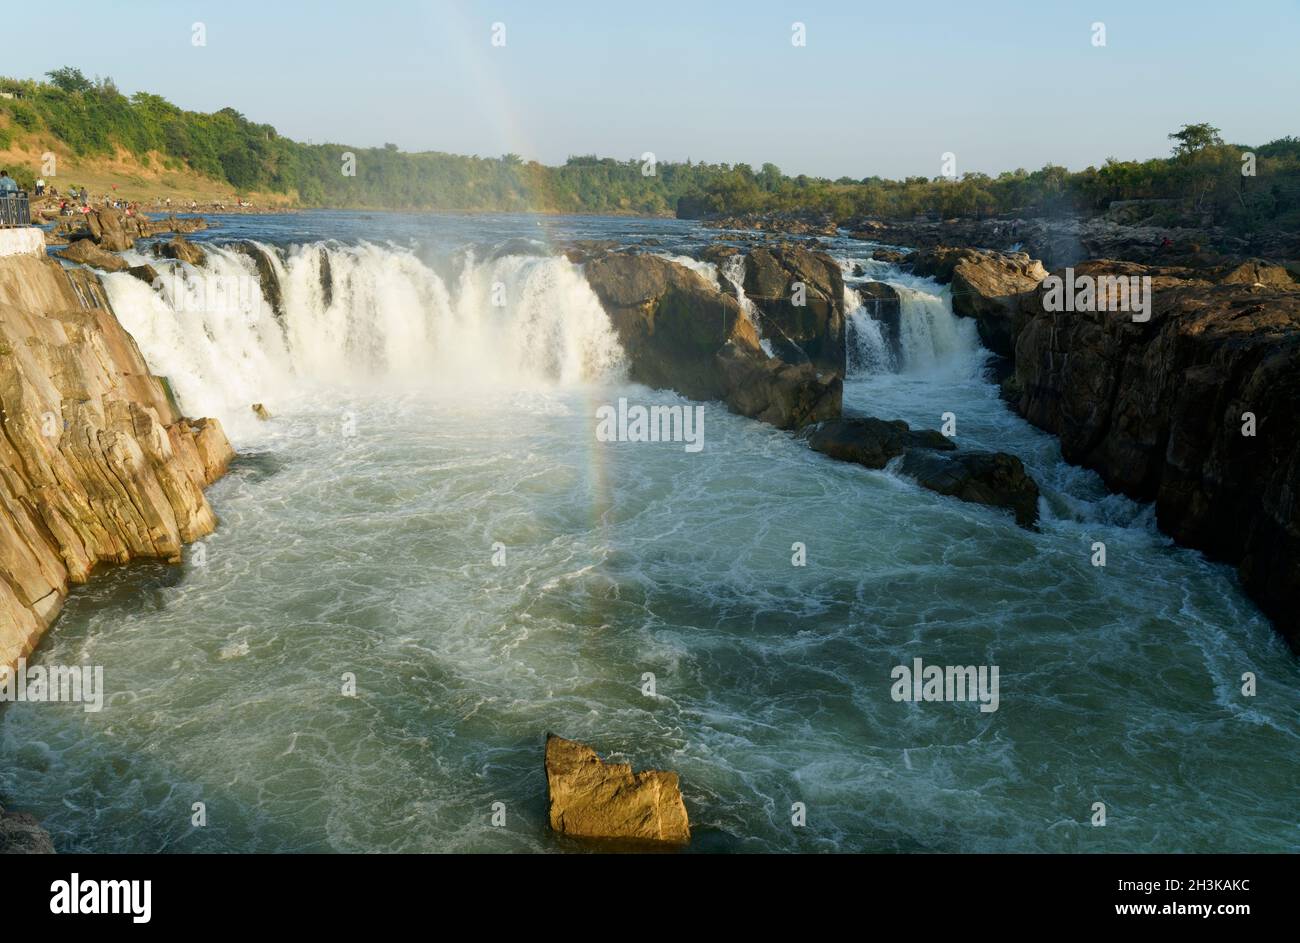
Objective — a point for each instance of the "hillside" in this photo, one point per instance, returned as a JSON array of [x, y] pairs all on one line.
[[154, 149], [144, 179]]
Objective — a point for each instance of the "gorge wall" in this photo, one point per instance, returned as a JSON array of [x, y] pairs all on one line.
[[1193, 409], [97, 465]]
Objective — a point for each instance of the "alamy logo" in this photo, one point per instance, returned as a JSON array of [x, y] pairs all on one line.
[[214, 294], [75, 684], [1099, 293], [76, 896], [922, 682], [638, 423]]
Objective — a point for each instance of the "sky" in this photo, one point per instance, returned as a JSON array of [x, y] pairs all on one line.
[[878, 89]]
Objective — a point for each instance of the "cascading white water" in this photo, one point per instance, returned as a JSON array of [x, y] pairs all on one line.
[[930, 336], [733, 270], [867, 350], [389, 318]]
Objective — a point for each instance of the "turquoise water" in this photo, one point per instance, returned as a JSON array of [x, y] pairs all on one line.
[[358, 535]]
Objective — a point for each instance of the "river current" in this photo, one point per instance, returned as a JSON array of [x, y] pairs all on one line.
[[429, 517]]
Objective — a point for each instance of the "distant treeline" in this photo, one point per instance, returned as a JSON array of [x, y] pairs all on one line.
[[1203, 178]]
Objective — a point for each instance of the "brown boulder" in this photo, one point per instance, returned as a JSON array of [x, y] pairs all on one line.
[[86, 252], [988, 287], [146, 273], [670, 320], [589, 798], [108, 230], [180, 248], [682, 332]]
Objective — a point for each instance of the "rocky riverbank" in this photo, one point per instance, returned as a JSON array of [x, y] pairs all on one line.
[[99, 466], [1192, 409], [112, 230]]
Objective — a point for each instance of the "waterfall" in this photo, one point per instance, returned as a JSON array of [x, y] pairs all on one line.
[[867, 349], [320, 315], [928, 335]]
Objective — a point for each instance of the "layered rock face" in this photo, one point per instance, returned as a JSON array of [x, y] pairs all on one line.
[[1160, 408], [96, 465], [591, 799], [682, 332]]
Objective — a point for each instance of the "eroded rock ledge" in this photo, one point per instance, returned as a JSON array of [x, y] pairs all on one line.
[[96, 464]]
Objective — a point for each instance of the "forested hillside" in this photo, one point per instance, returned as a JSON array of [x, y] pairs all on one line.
[[1202, 177]]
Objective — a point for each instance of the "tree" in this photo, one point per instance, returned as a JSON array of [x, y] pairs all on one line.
[[70, 80], [1195, 137]]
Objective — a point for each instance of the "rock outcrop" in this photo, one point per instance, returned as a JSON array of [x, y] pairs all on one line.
[[591, 799], [178, 247], [770, 390], [871, 442], [114, 231], [801, 297], [997, 479], [682, 332], [111, 230], [1160, 410], [804, 222], [85, 252], [96, 464], [21, 834], [986, 286]]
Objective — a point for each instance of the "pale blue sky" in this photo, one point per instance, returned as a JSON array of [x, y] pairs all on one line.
[[880, 88]]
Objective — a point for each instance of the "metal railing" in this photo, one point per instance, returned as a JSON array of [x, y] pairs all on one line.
[[14, 209]]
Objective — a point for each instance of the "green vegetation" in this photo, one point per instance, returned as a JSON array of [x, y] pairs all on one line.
[[1202, 180]]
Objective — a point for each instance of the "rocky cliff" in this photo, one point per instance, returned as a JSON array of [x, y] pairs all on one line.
[[1193, 409], [97, 465]]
